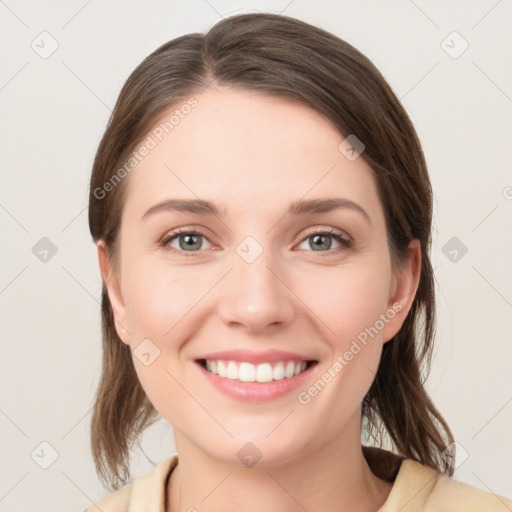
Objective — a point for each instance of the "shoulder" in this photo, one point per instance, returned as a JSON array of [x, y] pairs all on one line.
[[145, 493], [450, 494], [421, 488], [118, 501]]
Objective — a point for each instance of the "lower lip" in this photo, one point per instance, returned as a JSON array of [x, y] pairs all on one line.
[[256, 391]]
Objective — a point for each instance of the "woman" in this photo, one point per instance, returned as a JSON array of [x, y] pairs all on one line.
[[262, 212]]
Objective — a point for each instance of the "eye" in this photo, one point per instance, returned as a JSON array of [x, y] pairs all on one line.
[[320, 240], [188, 240]]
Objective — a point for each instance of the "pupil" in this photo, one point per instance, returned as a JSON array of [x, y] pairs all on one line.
[[319, 237], [189, 241]]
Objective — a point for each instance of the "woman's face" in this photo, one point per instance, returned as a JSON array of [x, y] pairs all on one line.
[[256, 282]]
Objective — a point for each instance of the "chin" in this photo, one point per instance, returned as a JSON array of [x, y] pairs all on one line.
[[258, 450]]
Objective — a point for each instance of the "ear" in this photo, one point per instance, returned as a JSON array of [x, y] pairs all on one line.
[[114, 292], [403, 288]]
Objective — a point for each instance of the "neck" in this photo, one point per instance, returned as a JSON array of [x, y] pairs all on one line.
[[334, 473]]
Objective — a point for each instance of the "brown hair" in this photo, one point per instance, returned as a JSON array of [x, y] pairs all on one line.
[[286, 58]]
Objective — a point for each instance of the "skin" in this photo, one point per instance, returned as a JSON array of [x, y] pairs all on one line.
[[252, 155]]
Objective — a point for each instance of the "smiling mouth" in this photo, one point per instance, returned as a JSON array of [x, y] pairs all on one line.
[[248, 372]]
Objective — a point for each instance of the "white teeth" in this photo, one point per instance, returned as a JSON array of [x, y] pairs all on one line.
[[279, 371], [232, 370], [264, 373], [290, 369], [221, 369], [248, 372]]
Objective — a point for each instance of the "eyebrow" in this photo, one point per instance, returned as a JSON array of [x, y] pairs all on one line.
[[299, 207]]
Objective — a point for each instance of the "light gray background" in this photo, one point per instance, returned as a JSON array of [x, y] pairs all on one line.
[[53, 113]]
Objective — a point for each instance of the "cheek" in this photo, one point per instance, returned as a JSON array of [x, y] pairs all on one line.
[[352, 302], [160, 296], [160, 308], [163, 307]]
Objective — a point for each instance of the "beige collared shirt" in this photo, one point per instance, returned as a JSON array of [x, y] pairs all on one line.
[[416, 488]]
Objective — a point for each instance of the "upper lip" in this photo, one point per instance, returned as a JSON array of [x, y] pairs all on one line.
[[250, 356]]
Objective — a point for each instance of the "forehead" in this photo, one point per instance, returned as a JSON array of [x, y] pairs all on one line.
[[243, 147]]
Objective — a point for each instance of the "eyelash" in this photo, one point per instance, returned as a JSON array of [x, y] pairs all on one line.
[[345, 242]]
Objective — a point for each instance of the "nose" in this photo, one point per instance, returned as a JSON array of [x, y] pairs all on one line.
[[255, 295]]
